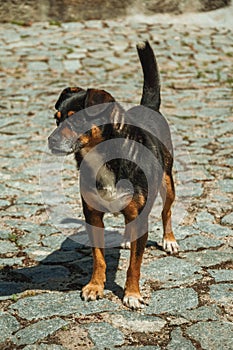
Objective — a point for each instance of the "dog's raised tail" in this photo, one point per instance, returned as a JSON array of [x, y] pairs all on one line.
[[151, 87]]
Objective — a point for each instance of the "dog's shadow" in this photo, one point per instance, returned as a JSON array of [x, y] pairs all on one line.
[[68, 268]]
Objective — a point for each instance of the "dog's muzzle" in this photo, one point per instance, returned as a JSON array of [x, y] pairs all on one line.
[[59, 144]]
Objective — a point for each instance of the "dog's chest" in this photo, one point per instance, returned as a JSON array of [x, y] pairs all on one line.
[[100, 188]]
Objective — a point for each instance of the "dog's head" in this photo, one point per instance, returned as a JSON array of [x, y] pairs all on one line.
[[77, 111]]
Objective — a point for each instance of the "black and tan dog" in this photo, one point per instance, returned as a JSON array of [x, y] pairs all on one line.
[[146, 181]]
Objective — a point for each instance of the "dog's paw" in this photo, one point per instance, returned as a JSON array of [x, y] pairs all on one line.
[[125, 244], [134, 302], [92, 292], [170, 246]]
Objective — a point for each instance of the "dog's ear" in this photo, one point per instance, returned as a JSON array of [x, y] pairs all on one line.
[[97, 101], [66, 93]]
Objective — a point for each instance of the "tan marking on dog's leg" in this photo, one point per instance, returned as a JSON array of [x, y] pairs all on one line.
[[167, 192], [95, 288], [132, 296]]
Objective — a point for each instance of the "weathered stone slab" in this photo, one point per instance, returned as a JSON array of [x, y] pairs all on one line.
[[212, 335], [8, 289], [171, 271], [59, 304], [207, 257], [7, 247], [203, 313], [44, 347], [228, 219], [222, 275], [196, 242], [135, 322], [218, 231], [172, 301], [46, 273], [8, 325], [10, 261], [103, 335], [222, 293], [38, 331], [178, 341], [226, 185]]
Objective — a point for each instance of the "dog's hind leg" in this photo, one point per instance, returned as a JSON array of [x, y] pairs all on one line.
[[95, 228], [167, 192]]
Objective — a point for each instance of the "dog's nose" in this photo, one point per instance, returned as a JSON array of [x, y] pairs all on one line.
[[53, 140]]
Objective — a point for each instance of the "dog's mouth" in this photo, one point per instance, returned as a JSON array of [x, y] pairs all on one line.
[[61, 152], [60, 148]]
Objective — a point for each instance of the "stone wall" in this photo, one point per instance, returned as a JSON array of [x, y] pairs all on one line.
[[21, 11]]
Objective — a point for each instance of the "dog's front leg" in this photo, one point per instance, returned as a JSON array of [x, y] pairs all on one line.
[[132, 296], [95, 228]]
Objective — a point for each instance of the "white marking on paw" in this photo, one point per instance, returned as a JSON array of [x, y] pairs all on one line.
[[133, 303], [125, 244], [170, 246]]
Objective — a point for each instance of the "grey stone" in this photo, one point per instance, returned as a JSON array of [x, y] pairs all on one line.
[[8, 325], [228, 219], [179, 342], [7, 289], [61, 304], [92, 62], [103, 335], [171, 271], [137, 322], [7, 247], [222, 293], [146, 347], [222, 275], [37, 252], [215, 229], [196, 242], [74, 42], [10, 261], [54, 241], [38, 331], [25, 210], [37, 66], [4, 234], [226, 185], [182, 232], [62, 257], [55, 64], [178, 321], [207, 258], [212, 335], [204, 217], [203, 313], [44, 347], [195, 190], [4, 203], [29, 239], [172, 301], [46, 274], [72, 65]]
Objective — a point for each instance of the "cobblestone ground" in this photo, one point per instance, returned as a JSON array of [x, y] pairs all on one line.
[[189, 295]]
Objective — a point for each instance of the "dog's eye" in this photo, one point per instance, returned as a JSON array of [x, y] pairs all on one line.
[[57, 116], [70, 113]]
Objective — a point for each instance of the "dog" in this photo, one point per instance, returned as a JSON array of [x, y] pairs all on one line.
[[86, 120]]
